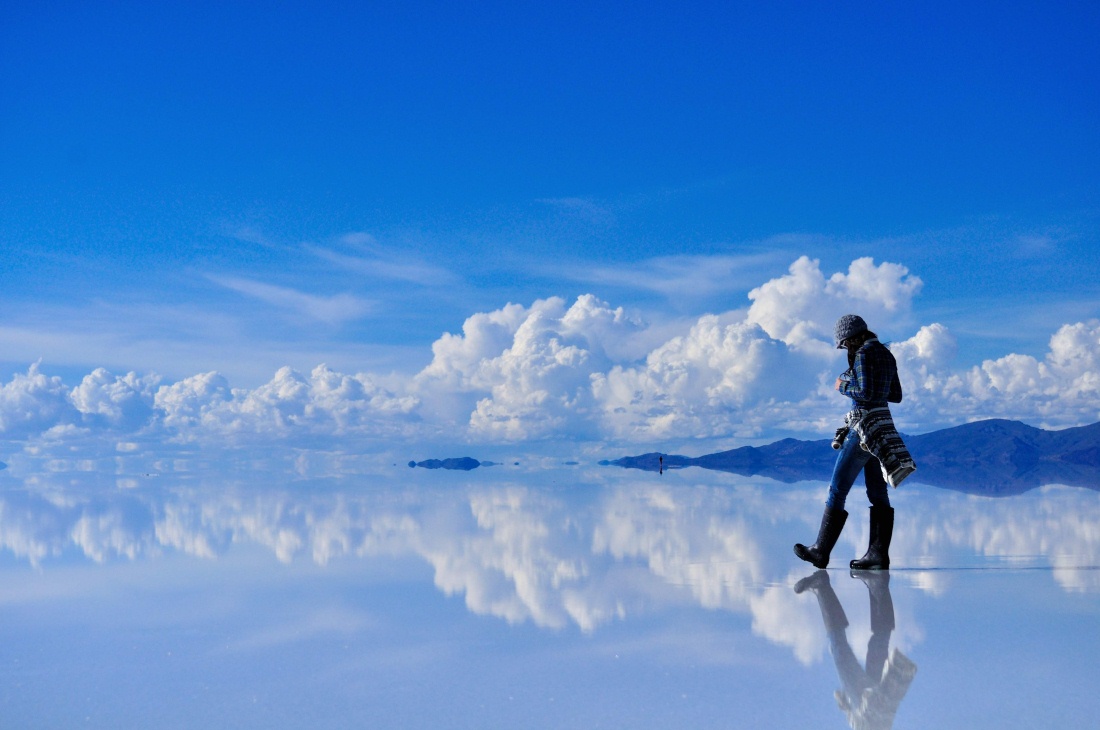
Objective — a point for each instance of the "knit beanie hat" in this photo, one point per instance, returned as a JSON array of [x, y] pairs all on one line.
[[847, 326]]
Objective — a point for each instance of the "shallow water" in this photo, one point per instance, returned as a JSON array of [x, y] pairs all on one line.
[[566, 596]]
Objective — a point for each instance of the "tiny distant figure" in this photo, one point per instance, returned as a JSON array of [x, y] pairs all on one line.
[[661, 465], [868, 442]]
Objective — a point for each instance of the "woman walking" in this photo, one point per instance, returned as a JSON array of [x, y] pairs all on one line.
[[870, 444]]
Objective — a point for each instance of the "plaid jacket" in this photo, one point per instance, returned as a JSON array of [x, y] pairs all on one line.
[[873, 379]]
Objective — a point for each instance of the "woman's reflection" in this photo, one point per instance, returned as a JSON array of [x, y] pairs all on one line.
[[869, 697]]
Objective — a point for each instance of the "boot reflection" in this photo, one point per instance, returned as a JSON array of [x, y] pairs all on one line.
[[870, 696]]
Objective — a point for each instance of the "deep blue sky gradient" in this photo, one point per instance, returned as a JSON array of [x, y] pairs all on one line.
[[145, 148]]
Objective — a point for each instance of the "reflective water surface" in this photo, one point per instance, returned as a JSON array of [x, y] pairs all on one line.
[[560, 596]]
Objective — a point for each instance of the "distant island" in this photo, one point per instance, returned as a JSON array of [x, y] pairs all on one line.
[[996, 457], [463, 463]]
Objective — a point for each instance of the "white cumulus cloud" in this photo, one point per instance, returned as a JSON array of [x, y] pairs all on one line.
[[801, 307], [1059, 390], [323, 403], [589, 370], [705, 383], [33, 403], [530, 370], [124, 402]]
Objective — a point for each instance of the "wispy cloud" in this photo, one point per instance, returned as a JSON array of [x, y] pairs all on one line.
[[384, 265], [250, 234], [681, 277], [1033, 246], [335, 309], [588, 210]]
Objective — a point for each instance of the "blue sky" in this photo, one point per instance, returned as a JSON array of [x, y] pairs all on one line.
[[191, 187]]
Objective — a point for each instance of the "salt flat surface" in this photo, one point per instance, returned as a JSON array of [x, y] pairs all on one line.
[[548, 596]]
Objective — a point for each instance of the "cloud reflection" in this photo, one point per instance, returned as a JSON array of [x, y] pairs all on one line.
[[575, 557]]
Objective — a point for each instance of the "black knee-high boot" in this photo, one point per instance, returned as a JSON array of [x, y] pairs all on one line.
[[832, 522], [877, 556]]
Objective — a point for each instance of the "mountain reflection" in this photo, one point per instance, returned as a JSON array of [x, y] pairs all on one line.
[[994, 457], [561, 557]]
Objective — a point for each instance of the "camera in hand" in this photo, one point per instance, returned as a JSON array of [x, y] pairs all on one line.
[[841, 434]]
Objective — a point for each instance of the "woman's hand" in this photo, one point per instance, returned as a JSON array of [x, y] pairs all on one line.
[[838, 382]]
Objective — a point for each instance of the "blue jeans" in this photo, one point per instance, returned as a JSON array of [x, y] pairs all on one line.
[[849, 462]]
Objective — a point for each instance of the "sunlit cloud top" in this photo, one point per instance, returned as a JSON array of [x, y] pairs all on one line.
[[555, 369]]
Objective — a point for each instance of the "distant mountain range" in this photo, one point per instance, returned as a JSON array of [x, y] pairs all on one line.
[[995, 458]]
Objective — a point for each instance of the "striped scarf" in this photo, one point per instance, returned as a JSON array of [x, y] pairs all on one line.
[[877, 435]]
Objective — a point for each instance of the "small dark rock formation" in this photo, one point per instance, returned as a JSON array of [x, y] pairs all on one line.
[[464, 463]]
